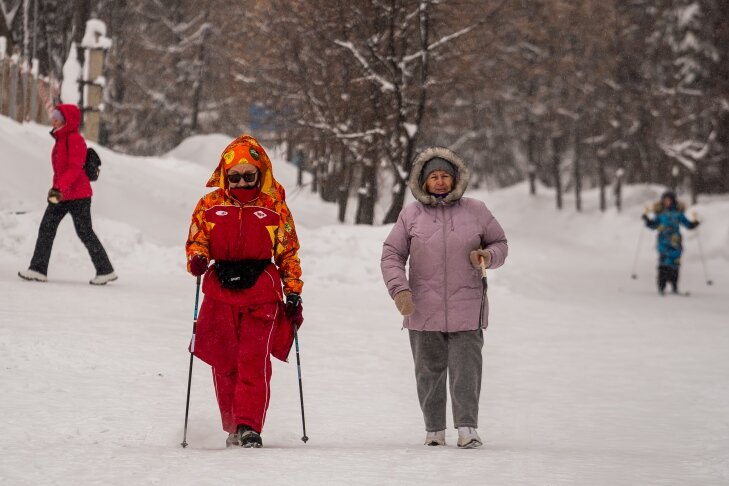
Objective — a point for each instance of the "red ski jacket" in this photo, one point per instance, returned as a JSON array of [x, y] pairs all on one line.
[[224, 228], [69, 156]]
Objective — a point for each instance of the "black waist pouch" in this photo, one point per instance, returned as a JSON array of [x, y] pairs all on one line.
[[239, 274]]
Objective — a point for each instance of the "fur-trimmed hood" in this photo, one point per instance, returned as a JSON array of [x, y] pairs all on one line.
[[461, 179], [676, 205]]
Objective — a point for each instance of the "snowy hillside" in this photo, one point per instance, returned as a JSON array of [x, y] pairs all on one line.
[[590, 377]]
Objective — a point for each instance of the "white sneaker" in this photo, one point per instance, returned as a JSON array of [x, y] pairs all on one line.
[[103, 279], [233, 440], [436, 438], [32, 275], [468, 438]]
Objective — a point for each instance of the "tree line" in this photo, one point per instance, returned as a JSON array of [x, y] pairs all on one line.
[[569, 93]]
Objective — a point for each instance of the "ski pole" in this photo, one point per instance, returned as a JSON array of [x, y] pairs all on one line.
[[701, 255], [192, 355], [485, 284], [301, 389], [633, 273]]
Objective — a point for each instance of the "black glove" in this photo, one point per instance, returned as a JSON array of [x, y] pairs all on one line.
[[697, 223], [294, 310], [54, 196]]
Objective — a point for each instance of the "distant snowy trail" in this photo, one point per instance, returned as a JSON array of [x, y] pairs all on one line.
[[626, 383]]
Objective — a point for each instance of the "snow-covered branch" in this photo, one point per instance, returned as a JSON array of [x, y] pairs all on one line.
[[385, 85], [440, 42], [689, 152], [9, 12]]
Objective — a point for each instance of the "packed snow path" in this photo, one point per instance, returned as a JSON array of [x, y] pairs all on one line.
[[590, 377]]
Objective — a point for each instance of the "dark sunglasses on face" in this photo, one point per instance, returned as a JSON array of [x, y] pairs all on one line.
[[235, 177]]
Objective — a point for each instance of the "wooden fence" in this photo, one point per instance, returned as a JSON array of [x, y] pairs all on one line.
[[24, 96]]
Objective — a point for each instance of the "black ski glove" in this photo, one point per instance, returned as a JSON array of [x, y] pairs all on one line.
[[294, 310]]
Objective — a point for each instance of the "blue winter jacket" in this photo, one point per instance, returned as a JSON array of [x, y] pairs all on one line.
[[668, 244]]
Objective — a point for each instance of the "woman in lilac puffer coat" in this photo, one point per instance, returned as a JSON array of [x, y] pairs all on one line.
[[445, 236]]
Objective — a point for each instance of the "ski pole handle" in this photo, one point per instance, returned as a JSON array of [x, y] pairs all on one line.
[[483, 267], [484, 280]]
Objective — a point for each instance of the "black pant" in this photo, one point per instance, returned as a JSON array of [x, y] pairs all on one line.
[[80, 210], [666, 275]]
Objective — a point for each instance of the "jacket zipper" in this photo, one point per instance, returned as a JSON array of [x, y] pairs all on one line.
[[445, 267], [240, 229]]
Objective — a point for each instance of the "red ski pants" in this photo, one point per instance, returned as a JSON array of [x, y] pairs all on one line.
[[244, 393]]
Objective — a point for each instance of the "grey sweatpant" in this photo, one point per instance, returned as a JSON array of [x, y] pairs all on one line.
[[458, 355]]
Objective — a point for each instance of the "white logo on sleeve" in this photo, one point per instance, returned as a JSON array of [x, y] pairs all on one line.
[[221, 213], [260, 214]]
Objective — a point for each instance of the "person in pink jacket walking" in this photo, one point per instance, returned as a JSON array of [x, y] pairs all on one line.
[[445, 237], [71, 193]]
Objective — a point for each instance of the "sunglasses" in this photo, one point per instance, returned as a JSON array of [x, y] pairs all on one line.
[[235, 177]]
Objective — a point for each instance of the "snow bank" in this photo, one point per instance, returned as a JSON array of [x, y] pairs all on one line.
[[70, 93]]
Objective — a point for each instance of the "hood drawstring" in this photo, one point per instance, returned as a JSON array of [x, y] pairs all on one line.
[[453, 225], [441, 204]]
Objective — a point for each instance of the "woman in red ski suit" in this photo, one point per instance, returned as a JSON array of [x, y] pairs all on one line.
[[246, 230]]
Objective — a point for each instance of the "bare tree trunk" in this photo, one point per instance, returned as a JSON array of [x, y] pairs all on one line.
[[81, 13], [532, 180], [367, 195], [343, 193], [619, 190], [315, 176], [398, 200], [557, 141], [399, 191], [577, 171], [314, 167], [199, 81], [26, 30], [723, 140], [601, 181], [675, 173], [34, 52], [531, 162]]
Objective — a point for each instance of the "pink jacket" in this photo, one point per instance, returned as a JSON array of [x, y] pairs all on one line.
[[69, 156], [437, 238]]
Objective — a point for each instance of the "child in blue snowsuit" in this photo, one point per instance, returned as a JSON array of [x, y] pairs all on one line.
[[668, 218]]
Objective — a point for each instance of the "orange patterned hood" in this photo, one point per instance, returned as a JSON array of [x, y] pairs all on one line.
[[246, 150]]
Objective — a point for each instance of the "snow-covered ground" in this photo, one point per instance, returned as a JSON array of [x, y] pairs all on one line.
[[590, 377]]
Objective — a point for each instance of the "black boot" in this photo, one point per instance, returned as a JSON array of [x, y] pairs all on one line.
[[249, 437], [674, 280], [663, 278]]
